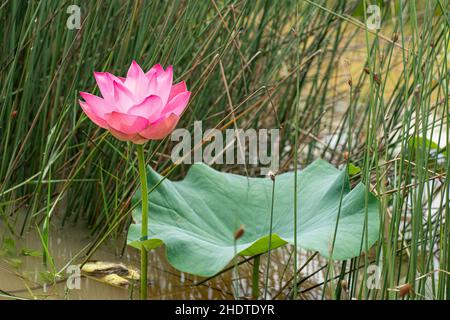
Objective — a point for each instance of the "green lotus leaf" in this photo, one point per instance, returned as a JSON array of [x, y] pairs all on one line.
[[196, 218]]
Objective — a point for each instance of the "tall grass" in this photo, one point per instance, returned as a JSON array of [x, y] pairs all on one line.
[[375, 99]]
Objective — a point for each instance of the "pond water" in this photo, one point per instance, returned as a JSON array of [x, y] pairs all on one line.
[[24, 276]]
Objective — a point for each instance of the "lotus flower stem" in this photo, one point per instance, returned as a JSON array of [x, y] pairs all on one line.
[[144, 223], [255, 278]]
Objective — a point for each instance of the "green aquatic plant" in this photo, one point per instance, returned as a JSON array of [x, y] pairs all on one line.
[[138, 108], [196, 218]]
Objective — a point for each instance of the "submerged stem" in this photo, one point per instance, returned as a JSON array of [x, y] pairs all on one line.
[[144, 223]]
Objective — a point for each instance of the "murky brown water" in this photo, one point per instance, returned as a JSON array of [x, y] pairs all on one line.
[[24, 276]]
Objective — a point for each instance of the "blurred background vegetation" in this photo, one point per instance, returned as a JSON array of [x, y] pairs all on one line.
[[375, 99]]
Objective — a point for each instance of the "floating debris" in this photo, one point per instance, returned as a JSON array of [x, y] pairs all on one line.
[[112, 273]]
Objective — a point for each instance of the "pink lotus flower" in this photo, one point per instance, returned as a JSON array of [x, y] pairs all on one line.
[[140, 107]]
